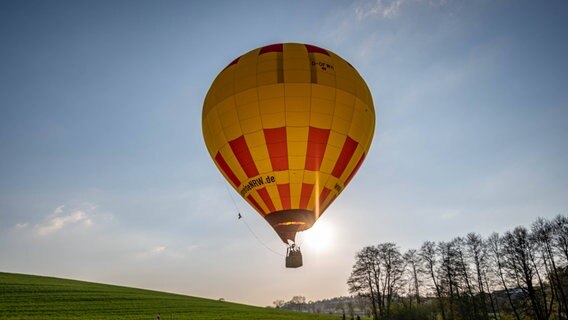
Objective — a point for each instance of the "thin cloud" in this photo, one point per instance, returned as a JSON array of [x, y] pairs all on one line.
[[388, 8], [381, 8], [58, 220]]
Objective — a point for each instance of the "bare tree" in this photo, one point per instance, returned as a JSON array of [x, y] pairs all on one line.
[[519, 252], [391, 277], [478, 254], [362, 280], [414, 265], [494, 244], [428, 256]]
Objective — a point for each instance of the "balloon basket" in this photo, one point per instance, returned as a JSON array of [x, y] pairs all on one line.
[[293, 257]]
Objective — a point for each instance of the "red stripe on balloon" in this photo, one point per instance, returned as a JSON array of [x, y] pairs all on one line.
[[277, 148], [233, 62], [355, 169], [312, 48], [323, 195], [278, 47], [284, 192], [317, 142], [345, 156], [227, 170], [266, 198], [255, 204], [244, 157], [333, 197], [305, 195]]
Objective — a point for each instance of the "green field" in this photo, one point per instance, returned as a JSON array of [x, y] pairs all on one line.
[[36, 297]]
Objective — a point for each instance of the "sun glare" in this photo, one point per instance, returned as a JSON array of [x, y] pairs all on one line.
[[318, 237]]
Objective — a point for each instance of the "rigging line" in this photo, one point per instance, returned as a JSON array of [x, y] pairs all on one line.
[[259, 240], [246, 224]]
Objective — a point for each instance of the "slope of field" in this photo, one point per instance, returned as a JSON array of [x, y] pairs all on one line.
[[36, 297]]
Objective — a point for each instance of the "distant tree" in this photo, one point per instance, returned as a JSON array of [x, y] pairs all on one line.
[[279, 303], [414, 265], [298, 302], [520, 262], [429, 259], [478, 254], [542, 232], [392, 267], [495, 247], [362, 280]]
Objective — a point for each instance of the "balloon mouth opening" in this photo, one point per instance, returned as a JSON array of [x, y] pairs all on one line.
[[290, 223], [287, 223]]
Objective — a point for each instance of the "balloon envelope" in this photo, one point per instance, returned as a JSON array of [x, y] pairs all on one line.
[[288, 125]]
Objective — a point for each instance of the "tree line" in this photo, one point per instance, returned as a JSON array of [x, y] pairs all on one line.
[[519, 274]]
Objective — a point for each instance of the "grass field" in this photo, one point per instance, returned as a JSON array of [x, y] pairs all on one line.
[[35, 297]]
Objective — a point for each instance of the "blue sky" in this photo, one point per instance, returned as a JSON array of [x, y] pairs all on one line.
[[105, 176]]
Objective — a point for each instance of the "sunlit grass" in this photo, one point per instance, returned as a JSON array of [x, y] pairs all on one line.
[[35, 297]]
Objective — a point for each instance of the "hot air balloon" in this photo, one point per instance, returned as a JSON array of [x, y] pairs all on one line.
[[288, 125]]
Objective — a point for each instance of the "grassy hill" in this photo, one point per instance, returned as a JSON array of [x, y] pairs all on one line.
[[35, 297]]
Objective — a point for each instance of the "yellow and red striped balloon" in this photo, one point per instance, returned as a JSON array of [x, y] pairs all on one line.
[[289, 125]]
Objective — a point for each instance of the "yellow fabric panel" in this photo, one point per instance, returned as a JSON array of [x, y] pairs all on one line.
[[297, 119], [225, 84], [255, 139], [248, 111], [227, 112], [211, 147], [362, 91], [219, 140], [323, 92], [298, 149], [267, 65], [270, 106], [297, 76], [296, 64], [357, 129], [330, 184], [271, 92], [332, 154], [309, 177], [251, 125], [246, 83], [233, 132], [298, 104], [296, 162], [296, 176], [326, 79], [245, 97], [319, 120], [336, 139], [282, 177], [344, 111], [327, 165], [340, 125], [273, 120], [296, 134], [264, 166], [295, 51], [322, 106], [298, 90], [259, 152], [272, 190], [295, 192], [267, 78], [345, 98]]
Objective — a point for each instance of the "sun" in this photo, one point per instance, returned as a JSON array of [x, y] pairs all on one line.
[[318, 237]]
